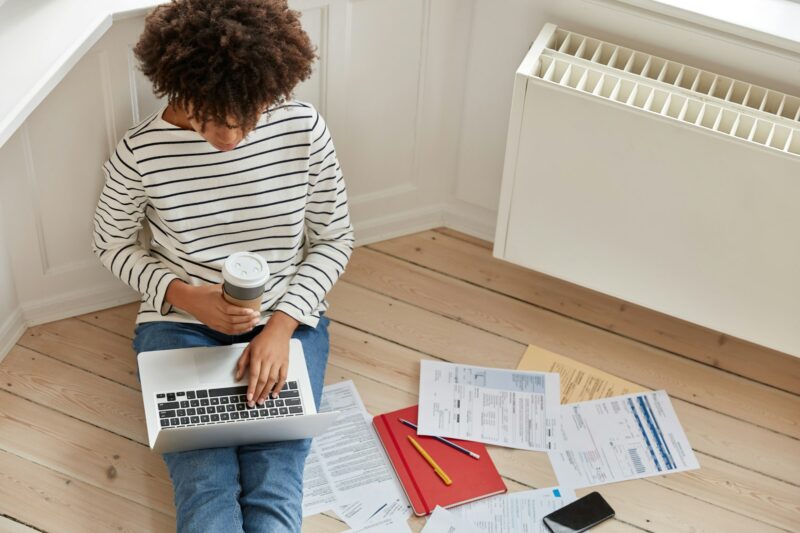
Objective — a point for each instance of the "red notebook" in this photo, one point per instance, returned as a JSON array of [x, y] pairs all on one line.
[[472, 479]]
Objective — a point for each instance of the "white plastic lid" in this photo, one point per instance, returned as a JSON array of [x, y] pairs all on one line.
[[245, 270]]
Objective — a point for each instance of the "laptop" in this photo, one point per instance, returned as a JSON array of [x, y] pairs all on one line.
[[192, 401]]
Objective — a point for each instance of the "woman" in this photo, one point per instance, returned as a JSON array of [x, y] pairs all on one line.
[[229, 164]]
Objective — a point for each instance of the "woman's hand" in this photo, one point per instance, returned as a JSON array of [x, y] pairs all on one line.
[[267, 357], [206, 304]]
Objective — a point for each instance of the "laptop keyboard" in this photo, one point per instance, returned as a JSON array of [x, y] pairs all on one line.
[[227, 404]]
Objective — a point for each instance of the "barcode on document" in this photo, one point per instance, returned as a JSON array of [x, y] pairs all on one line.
[[637, 461]]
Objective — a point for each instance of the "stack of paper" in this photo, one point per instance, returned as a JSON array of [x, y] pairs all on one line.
[[596, 429], [611, 429], [347, 470]]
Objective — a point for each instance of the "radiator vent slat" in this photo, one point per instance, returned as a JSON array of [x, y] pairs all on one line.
[[671, 89]]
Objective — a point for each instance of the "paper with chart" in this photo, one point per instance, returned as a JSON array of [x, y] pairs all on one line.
[[579, 382], [620, 438], [516, 512], [444, 521], [512, 408], [348, 461]]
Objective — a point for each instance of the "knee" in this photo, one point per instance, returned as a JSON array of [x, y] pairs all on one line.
[[203, 471], [149, 336], [152, 336]]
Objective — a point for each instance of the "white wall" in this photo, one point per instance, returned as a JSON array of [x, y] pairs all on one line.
[[501, 33], [11, 322]]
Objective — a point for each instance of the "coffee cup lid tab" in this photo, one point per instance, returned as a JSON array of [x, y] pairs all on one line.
[[245, 269]]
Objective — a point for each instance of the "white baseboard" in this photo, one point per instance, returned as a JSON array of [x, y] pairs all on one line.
[[77, 303], [470, 219], [11, 331], [398, 224]]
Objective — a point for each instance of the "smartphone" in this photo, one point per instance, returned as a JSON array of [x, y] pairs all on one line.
[[579, 515]]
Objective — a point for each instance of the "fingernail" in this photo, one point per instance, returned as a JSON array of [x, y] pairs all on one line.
[[249, 396]]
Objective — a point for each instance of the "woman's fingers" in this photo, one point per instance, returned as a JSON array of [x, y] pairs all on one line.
[[283, 371], [235, 310], [244, 360], [261, 382], [241, 319], [241, 328], [272, 375], [252, 384]]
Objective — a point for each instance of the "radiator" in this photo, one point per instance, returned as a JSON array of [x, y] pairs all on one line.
[[662, 184]]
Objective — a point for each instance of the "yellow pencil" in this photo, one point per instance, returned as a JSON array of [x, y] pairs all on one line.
[[430, 461]]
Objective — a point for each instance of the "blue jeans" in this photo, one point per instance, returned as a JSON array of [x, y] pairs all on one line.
[[257, 487]]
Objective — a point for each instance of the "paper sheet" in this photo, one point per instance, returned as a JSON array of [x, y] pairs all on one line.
[[579, 382], [443, 521], [318, 493], [509, 408], [517, 512], [620, 438], [388, 525], [628, 433], [368, 505], [348, 460]]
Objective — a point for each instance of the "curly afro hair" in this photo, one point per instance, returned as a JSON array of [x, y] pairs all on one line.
[[227, 59]]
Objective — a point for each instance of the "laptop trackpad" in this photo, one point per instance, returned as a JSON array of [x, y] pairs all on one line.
[[216, 366]]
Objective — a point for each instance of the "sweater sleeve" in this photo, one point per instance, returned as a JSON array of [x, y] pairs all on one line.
[[117, 221], [328, 230]]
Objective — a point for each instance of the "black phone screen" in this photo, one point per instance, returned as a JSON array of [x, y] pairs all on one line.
[[579, 515]]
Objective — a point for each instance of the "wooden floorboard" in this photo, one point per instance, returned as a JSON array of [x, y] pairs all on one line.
[[466, 258], [72, 432], [7, 525], [496, 333]]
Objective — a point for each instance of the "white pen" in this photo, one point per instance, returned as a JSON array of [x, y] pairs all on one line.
[[440, 439]]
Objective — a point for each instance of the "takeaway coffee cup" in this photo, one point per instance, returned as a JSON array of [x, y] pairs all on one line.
[[245, 275]]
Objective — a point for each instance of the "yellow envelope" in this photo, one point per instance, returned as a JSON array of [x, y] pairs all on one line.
[[579, 382]]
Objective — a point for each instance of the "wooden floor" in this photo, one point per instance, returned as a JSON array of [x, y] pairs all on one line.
[[73, 452]]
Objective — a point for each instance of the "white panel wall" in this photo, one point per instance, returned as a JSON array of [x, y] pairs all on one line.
[[11, 321], [382, 82]]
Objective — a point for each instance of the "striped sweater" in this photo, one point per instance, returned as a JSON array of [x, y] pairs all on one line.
[[280, 194]]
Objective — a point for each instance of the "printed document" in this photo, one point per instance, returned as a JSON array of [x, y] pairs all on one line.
[[516, 512], [368, 505], [444, 521], [579, 382], [512, 408], [389, 525], [620, 438], [348, 460]]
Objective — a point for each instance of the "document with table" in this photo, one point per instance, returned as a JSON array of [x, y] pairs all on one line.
[[515, 512], [619, 430], [442, 520], [512, 408], [616, 439]]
